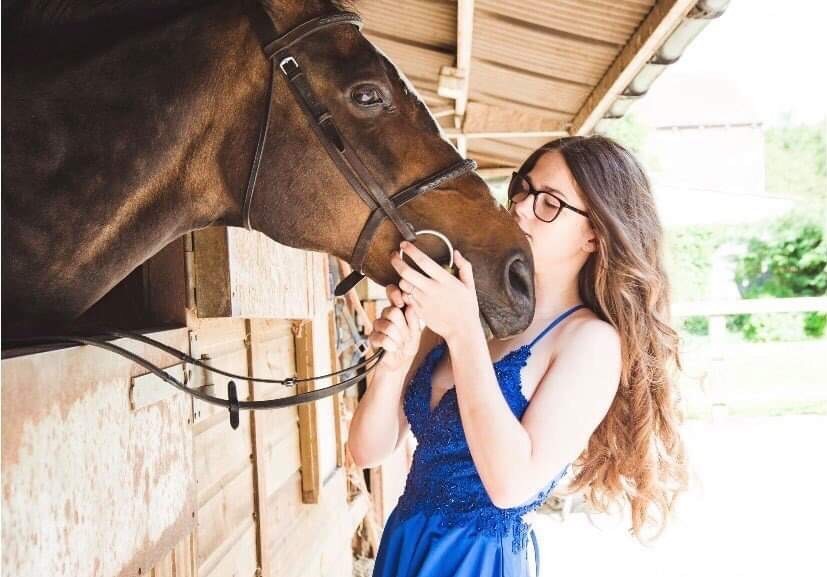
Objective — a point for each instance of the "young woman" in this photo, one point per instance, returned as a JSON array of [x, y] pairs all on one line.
[[587, 386]]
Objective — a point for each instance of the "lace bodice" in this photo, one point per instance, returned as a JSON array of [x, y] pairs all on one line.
[[443, 478]]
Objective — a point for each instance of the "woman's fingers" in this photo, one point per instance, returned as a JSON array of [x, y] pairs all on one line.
[[395, 295], [426, 263], [412, 318], [408, 273]]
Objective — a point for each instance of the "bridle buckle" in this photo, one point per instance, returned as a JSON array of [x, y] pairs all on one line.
[[285, 61]]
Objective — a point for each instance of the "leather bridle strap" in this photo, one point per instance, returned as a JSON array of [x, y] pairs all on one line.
[[375, 219], [343, 155]]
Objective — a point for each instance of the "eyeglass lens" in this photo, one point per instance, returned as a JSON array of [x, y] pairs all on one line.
[[546, 205]]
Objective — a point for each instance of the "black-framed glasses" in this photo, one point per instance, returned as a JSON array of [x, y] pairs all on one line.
[[547, 205]]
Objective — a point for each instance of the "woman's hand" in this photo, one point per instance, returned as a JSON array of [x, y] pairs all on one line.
[[397, 332], [447, 304]]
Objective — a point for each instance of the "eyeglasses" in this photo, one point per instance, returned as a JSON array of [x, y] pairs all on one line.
[[547, 206]]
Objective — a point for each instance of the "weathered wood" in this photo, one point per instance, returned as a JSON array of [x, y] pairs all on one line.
[[150, 388], [304, 533], [167, 285], [245, 274], [308, 439], [179, 562], [487, 121], [225, 517], [337, 398], [77, 455]]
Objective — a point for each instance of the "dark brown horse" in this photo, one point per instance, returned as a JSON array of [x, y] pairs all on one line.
[[128, 124]]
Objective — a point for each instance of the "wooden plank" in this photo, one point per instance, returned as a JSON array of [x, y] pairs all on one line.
[[465, 34], [212, 272], [658, 24], [514, 85], [275, 433], [540, 51], [238, 560], [167, 285], [220, 455], [308, 438], [485, 118], [593, 22], [77, 462], [298, 546], [416, 21], [246, 274], [337, 398], [220, 518], [149, 389], [235, 361]]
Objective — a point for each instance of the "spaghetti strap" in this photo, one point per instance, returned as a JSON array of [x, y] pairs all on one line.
[[555, 322]]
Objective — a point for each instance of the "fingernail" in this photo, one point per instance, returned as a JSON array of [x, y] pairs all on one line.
[[404, 244]]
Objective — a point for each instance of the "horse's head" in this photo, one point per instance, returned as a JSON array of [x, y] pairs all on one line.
[[384, 139]]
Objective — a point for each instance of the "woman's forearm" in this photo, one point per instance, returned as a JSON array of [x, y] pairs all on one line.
[[374, 428], [499, 444]]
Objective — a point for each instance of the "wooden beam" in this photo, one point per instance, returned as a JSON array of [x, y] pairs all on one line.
[[480, 118], [454, 134], [488, 121], [655, 28], [453, 81], [497, 172], [308, 430]]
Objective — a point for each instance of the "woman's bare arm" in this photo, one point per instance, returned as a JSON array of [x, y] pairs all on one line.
[[379, 424]]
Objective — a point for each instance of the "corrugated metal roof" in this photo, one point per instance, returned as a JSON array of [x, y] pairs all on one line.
[[533, 61]]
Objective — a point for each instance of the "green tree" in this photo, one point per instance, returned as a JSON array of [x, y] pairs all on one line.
[[790, 260], [796, 160]]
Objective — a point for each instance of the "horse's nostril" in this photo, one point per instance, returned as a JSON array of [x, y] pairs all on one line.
[[518, 278]]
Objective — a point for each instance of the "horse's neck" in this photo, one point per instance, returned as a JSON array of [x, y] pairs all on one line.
[[126, 148]]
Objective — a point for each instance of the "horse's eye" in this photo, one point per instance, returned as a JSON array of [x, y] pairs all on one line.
[[367, 95]]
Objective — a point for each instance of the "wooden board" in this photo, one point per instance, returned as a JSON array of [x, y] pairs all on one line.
[[245, 274], [91, 486]]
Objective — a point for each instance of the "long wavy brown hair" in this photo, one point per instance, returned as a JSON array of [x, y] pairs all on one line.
[[636, 454]]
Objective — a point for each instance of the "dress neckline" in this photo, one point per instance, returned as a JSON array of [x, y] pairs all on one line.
[[441, 346]]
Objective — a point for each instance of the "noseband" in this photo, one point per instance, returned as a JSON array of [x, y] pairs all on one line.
[[277, 49]]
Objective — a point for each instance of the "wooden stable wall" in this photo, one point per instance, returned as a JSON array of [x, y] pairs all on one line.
[[107, 471]]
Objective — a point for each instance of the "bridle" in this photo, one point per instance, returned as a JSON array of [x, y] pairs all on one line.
[[277, 48]]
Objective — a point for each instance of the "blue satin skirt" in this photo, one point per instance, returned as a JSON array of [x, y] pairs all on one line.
[[418, 547]]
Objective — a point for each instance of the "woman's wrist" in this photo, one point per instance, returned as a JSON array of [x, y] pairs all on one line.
[[461, 340]]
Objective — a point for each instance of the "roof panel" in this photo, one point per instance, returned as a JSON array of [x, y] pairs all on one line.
[[517, 86], [542, 57], [611, 23], [548, 53], [418, 21]]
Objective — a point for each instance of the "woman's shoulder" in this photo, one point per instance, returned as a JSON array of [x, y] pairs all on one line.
[[587, 326]]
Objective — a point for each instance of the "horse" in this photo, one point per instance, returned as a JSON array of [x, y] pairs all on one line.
[[128, 124]]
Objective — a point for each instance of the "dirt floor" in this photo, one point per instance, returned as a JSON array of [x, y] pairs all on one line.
[[757, 507]]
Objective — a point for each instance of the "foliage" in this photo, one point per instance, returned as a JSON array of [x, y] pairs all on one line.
[[796, 160], [788, 260], [688, 255], [696, 325]]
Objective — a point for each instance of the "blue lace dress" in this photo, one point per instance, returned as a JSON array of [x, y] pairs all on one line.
[[445, 524]]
